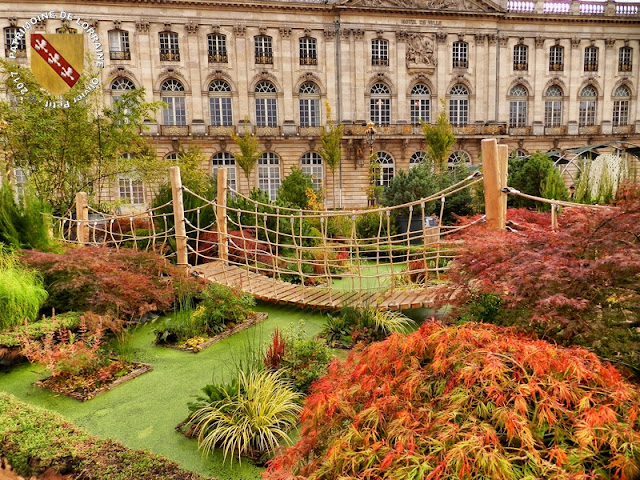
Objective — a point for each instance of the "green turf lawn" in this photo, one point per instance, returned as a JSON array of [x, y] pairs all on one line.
[[142, 413]]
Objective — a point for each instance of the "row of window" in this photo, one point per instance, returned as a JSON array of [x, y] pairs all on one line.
[[120, 49], [266, 104], [557, 57]]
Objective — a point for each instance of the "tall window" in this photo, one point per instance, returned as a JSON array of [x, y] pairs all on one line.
[[556, 58], [309, 105], [220, 103], [624, 59], [308, 51], [420, 104], [217, 46], [19, 182], [553, 107], [266, 105], [387, 169], [621, 97], [169, 49], [119, 45], [225, 160], [379, 52], [311, 164], [269, 174], [172, 93], [591, 59], [9, 34], [520, 57], [263, 49], [458, 157], [131, 190], [587, 110], [460, 55], [459, 105], [416, 158], [518, 106], [380, 104]]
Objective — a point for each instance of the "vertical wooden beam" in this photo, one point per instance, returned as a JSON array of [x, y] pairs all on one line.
[[503, 164], [178, 218], [82, 217], [554, 217], [491, 172], [221, 215]]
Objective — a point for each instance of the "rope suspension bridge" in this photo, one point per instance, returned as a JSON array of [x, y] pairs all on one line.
[[312, 258]]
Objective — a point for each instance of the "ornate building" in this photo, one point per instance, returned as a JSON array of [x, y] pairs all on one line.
[[539, 75]]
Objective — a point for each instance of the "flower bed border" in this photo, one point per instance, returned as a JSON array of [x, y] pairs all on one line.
[[139, 369], [256, 318]]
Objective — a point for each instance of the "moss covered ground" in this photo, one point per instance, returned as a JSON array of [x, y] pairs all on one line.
[[143, 413]]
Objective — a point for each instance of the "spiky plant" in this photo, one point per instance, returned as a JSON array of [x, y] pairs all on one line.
[[250, 420], [392, 322]]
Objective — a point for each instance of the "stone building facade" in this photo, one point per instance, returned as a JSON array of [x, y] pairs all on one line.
[[536, 74]]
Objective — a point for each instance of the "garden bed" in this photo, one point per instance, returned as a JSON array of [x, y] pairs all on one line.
[[86, 387], [195, 347]]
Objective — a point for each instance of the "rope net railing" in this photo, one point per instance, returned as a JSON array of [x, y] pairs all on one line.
[[348, 250]]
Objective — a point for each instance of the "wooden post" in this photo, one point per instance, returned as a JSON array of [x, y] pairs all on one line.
[[503, 164], [82, 217], [554, 216], [491, 172], [178, 218], [221, 215]]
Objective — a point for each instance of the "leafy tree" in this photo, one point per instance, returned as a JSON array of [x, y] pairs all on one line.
[[439, 138], [473, 402], [66, 150], [530, 175], [249, 152], [553, 187], [294, 190], [331, 151]]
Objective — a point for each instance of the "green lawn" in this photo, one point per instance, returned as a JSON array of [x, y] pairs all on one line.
[[143, 412]]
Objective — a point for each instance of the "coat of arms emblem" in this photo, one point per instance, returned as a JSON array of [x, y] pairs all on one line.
[[57, 60]]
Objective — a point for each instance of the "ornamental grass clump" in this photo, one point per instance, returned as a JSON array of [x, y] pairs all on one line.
[[21, 292], [472, 401]]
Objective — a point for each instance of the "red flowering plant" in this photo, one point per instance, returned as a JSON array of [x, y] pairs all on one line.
[[472, 401]]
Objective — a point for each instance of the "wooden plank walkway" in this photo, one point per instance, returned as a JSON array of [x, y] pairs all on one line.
[[322, 298]]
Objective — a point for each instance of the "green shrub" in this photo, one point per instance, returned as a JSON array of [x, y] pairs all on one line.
[[34, 440], [532, 175], [374, 224], [21, 292], [26, 223], [294, 190], [248, 420]]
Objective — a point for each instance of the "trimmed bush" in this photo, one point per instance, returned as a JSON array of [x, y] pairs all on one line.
[[34, 440], [472, 402]]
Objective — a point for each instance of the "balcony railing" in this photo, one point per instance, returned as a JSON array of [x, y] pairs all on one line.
[[491, 129], [221, 130], [218, 58], [460, 64], [521, 67], [19, 53], [169, 57], [556, 67], [519, 131], [120, 55], [264, 60], [559, 130], [624, 67], [174, 130], [308, 61], [624, 129], [380, 62], [310, 131], [268, 131], [589, 130], [590, 67]]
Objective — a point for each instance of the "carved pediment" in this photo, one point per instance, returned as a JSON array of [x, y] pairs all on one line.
[[460, 5]]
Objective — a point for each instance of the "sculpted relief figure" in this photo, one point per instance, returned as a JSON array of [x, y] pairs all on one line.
[[420, 51]]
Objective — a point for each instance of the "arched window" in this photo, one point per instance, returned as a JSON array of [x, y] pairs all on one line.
[[269, 174], [118, 87], [380, 104], [309, 105], [387, 169], [621, 97], [220, 103], [459, 105], [587, 110], [311, 164], [172, 156], [553, 106], [225, 160], [420, 104], [172, 93], [519, 154], [266, 104], [457, 157], [417, 158], [518, 106]]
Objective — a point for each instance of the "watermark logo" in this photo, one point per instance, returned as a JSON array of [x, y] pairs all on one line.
[[57, 60]]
